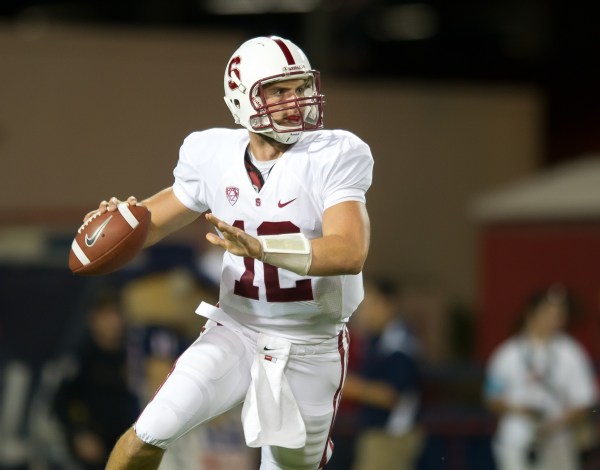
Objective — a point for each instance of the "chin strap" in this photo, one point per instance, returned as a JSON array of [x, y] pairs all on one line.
[[284, 137], [291, 251]]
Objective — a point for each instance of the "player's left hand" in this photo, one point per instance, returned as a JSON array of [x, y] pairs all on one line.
[[234, 240], [549, 427]]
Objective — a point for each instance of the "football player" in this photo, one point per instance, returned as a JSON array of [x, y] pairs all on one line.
[[287, 200]]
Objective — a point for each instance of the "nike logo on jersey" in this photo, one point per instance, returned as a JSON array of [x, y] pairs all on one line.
[[268, 349], [283, 204], [90, 241]]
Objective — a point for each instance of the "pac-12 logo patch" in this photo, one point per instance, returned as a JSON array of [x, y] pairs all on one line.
[[232, 194]]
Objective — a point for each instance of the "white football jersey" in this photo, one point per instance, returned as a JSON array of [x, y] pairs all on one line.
[[323, 169]]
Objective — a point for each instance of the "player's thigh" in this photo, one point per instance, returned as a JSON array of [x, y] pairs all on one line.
[[315, 382], [210, 377], [559, 453]]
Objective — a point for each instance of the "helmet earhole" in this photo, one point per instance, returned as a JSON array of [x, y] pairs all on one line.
[[236, 103]]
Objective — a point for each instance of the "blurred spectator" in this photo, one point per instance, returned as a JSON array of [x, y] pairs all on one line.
[[541, 384], [209, 259], [156, 348], [159, 305], [94, 403], [386, 385]]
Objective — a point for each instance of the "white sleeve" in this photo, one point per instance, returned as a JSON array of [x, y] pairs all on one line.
[[189, 186], [349, 176], [497, 377], [582, 388]]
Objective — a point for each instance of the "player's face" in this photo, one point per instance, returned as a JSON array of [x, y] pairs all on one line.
[[549, 318], [280, 96]]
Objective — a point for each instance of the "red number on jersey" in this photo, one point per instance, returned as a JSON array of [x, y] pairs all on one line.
[[274, 292]]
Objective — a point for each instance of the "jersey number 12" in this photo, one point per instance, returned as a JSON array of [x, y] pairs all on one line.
[[274, 292]]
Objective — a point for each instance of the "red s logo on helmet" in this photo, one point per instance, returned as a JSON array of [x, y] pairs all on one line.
[[232, 69]]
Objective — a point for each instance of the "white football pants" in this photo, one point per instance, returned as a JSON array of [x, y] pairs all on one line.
[[213, 375]]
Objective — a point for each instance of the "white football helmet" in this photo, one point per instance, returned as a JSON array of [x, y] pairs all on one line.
[[260, 62]]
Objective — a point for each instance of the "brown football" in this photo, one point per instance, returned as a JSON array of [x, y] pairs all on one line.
[[108, 241]]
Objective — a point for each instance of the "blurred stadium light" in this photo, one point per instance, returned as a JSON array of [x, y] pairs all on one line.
[[256, 7]]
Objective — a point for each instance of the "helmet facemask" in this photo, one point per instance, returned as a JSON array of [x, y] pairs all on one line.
[[308, 108]]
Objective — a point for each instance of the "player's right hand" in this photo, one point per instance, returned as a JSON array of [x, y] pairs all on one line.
[[110, 205], [234, 240]]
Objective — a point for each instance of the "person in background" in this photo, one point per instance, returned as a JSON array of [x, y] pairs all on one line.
[[386, 385], [541, 384], [94, 404]]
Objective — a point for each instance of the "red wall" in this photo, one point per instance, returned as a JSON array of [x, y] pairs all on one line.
[[519, 259]]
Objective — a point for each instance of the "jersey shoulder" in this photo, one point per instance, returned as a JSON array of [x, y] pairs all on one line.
[[506, 351], [570, 346], [204, 145], [335, 139], [337, 147], [216, 133]]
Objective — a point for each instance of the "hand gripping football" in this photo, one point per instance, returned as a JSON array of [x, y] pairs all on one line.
[[108, 241]]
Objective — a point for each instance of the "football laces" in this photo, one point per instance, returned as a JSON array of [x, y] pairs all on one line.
[[88, 221]]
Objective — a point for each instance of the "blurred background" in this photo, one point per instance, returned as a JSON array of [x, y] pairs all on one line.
[[483, 119]]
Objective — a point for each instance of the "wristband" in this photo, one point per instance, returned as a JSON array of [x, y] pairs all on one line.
[[291, 251]]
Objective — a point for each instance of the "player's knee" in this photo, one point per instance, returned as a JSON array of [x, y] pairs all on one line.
[[132, 447], [159, 425]]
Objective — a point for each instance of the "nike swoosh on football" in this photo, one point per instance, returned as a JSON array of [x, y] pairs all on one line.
[[283, 204], [90, 241]]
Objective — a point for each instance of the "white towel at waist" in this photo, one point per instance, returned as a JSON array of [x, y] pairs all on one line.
[[270, 415]]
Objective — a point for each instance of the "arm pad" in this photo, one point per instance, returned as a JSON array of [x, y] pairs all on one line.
[[291, 251]]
